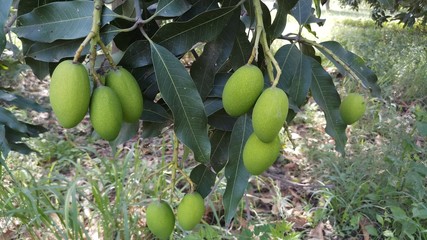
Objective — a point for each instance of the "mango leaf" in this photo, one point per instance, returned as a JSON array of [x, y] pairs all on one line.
[[4, 14], [28, 6], [8, 119], [152, 129], [235, 172], [21, 102], [59, 49], [59, 20], [204, 178], [220, 141], [172, 8], [326, 96], [242, 49], [215, 53], [349, 63], [221, 120], [296, 74], [278, 26], [179, 37], [127, 131], [40, 68], [302, 11], [154, 112], [198, 8], [4, 145], [180, 94], [219, 83], [212, 105]]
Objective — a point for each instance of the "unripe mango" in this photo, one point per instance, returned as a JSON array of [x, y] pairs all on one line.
[[69, 93], [269, 114], [352, 108], [127, 89], [106, 113], [242, 90], [190, 211], [160, 219], [258, 155]]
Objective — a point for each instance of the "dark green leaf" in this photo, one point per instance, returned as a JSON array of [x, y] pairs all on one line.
[[328, 99], [8, 119], [154, 112], [278, 26], [179, 37], [4, 14], [235, 172], [180, 94], [198, 8], [40, 69], [4, 145], [219, 83], [127, 131], [26, 6], [59, 49], [212, 105], [221, 120], [204, 178], [296, 73], [215, 53], [147, 81], [172, 8], [220, 141], [242, 49], [21, 102], [59, 20], [349, 63], [21, 148], [152, 129], [302, 11]]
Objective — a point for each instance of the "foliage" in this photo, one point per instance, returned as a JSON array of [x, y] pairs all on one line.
[[380, 188], [406, 12], [149, 39]]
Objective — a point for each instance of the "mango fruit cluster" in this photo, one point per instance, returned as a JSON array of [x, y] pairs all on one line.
[[243, 91], [161, 219], [119, 100]]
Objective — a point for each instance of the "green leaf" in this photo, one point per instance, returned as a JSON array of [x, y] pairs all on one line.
[[278, 26], [59, 20], [152, 129], [180, 94], [8, 119], [221, 120], [349, 63], [198, 8], [127, 131], [220, 141], [215, 53], [296, 73], [302, 11], [212, 105], [326, 96], [204, 178], [21, 102], [235, 172], [398, 213], [40, 69], [172, 8], [179, 37], [4, 145], [154, 112], [4, 14], [242, 49]]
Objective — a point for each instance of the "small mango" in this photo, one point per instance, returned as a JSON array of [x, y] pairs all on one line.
[[258, 155], [269, 114], [352, 108], [160, 219], [242, 90], [69, 93], [190, 210], [127, 89], [106, 113]]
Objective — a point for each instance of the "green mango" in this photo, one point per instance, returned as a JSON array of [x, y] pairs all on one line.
[[106, 113], [127, 89], [258, 155], [269, 114], [160, 219], [352, 108], [69, 93], [190, 210], [242, 90]]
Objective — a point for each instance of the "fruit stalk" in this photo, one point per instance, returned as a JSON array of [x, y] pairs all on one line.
[[261, 37]]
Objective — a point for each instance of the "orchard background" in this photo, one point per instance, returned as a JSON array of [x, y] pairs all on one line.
[[331, 181]]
